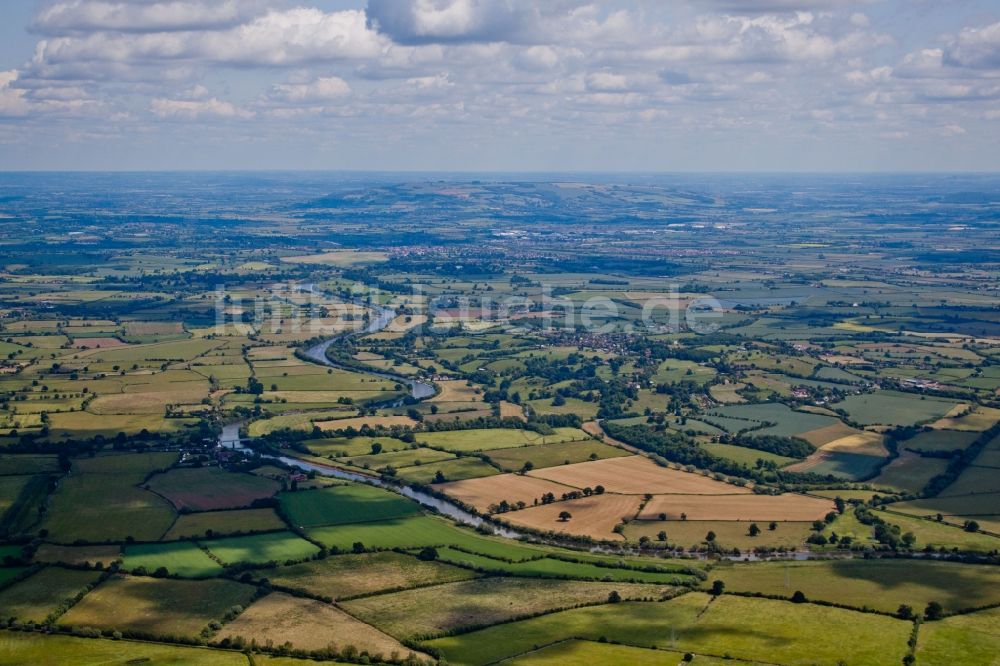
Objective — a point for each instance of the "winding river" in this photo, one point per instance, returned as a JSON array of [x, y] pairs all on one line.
[[419, 390]]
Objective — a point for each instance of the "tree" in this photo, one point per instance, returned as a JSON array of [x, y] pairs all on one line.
[[598, 490], [934, 611], [527, 467], [428, 554], [904, 612], [754, 530], [840, 504], [971, 526], [376, 448], [439, 477], [564, 516], [358, 547], [798, 597], [614, 597], [661, 536], [718, 587], [710, 537], [772, 526]]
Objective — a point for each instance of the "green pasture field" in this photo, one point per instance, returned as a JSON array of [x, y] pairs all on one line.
[[954, 509], [729, 533], [966, 639], [940, 440], [496, 438], [785, 633], [588, 653], [417, 532], [974, 480], [293, 421], [105, 486], [879, 584], [910, 474], [344, 504], [404, 458], [745, 456], [937, 535], [85, 425], [549, 455], [260, 548], [434, 610], [850, 466], [35, 597], [210, 488], [345, 576], [891, 408], [673, 371], [7, 573], [28, 463], [787, 422], [183, 558], [10, 489], [556, 568], [157, 606], [185, 350], [586, 410], [57, 650], [214, 523], [340, 447], [453, 470]]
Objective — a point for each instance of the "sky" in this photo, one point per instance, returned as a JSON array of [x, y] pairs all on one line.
[[501, 85]]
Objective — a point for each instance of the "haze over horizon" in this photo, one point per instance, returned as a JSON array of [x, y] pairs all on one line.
[[507, 86]]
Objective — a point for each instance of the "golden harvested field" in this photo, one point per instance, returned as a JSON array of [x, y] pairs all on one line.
[[482, 492], [308, 624], [400, 323], [831, 433], [738, 507], [867, 443], [95, 343], [978, 420], [635, 475], [371, 421], [456, 391], [510, 410], [594, 516]]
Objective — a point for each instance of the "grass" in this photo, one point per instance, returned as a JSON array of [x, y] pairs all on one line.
[[344, 576], [965, 639], [940, 440], [549, 455], [35, 597], [452, 470], [30, 648], [910, 473], [183, 558], [495, 438], [157, 606], [588, 653], [261, 548], [729, 533], [306, 624], [344, 504], [405, 458], [890, 408], [211, 488], [879, 584], [938, 535], [105, 486], [352, 446], [749, 629], [214, 523], [745, 456], [556, 568], [28, 463], [452, 606]]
